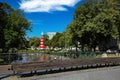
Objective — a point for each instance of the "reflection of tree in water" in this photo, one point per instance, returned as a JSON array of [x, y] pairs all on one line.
[[34, 57], [44, 57], [25, 58]]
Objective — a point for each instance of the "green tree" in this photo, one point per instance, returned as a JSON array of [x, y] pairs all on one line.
[[72, 32], [47, 41], [34, 41], [55, 41], [4, 11], [67, 39], [13, 28], [96, 23]]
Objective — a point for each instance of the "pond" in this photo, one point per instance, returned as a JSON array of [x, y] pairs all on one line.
[[36, 57]]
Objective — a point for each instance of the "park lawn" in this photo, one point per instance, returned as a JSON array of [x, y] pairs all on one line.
[[1, 60], [113, 55]]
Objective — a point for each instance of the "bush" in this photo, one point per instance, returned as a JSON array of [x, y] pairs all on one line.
[[1, 60], [83, 55]]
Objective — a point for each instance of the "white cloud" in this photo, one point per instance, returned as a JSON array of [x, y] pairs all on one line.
[[46, 5]]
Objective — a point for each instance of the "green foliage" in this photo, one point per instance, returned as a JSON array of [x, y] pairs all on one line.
[[28, 51], [1, 60], [84, 55], [73, 54], [47, 41], [12, 28], [34, 41], [58, 40], [95, 23]]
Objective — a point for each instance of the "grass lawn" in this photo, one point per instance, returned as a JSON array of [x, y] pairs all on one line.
[[113, 55], [1, 60]]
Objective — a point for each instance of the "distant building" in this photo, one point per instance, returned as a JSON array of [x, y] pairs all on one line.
[[41, 45], [51, 34]]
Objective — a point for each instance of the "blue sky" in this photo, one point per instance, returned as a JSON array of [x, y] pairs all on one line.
[[46, 15]]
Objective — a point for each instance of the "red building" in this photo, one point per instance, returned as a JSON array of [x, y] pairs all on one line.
[[42, 46]]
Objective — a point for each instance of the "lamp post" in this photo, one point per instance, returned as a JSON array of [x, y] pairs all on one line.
[[118, 8]]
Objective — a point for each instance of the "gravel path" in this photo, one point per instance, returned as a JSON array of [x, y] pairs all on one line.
[[108, 73]]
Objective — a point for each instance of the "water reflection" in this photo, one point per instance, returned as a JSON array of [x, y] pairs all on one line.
[[35, 57], [25, 58]]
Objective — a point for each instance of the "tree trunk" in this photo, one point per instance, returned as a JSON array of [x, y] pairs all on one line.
[[76, 48]]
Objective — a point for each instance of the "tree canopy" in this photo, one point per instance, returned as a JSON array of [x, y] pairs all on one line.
[[95, 23], [12, 28]]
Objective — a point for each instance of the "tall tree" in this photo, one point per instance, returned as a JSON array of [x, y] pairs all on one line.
[[13, 28], [95, 23], [4, 12], [34, 41], [55, 41], [47, 41]]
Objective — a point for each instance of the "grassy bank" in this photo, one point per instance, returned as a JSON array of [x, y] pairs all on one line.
[[65, 53], [73, 54], [1, 60]]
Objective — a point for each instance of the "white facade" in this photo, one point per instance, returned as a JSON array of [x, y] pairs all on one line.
[[51, 34]]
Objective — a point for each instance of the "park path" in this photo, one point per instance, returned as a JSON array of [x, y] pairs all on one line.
[[107, 73], [5, 71]]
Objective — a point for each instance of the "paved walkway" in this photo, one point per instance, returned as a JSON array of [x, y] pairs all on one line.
[[5, 71], [108, 73]]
